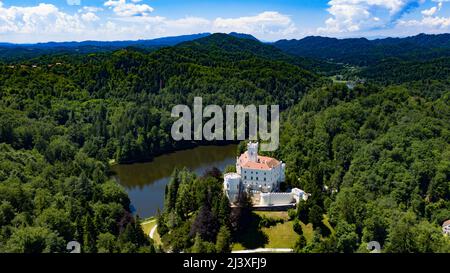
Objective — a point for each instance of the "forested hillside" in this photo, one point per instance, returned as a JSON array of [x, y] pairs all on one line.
[[64, 117], [374, 157], [197, 217], [376, 161], [20, 52], [364, 52], [119, 104]]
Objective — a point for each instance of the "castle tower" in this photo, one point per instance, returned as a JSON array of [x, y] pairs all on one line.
[[252, 149]]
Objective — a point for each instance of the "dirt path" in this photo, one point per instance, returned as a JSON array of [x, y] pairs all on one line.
[[262, 250]]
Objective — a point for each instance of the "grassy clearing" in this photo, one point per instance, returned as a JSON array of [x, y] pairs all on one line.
[[147, 226], [251, 236], [281, 235], [274, 214], [326, 222], [308, 231]]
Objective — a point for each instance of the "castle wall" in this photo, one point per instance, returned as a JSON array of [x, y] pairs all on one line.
[[256, 178], [276, 198]]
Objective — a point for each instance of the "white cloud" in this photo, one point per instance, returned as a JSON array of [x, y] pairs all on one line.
[[157, 26], [429, 22], [266, 24], [429, 12], [189, 23], [90, 9], [73, 2], [89, 17], [124, 9], [46, 22], [360, 15], [37, 19]]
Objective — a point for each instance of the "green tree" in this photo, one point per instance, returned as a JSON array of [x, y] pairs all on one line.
[[89, 235], [172, 190], [315, 216], [429, 238], [185, 201], [223, 243], [34, 240], [106, 243], [230, 169], [303, 211], [347, 239], [300, 244], [201, 246], [6, 213], [401, 236], [58, 221]]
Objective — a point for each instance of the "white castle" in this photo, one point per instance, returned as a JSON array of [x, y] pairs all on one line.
[[261, 175]]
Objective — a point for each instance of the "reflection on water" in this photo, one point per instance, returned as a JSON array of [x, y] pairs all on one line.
[[146, 182]]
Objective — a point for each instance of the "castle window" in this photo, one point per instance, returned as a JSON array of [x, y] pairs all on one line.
[[256, 178]]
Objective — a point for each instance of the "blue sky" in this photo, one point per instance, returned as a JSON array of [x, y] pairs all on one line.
[[32, 21]]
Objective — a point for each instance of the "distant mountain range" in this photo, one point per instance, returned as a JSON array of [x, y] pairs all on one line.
[[361, 51], [243, 44], [356, 51], [11, 52], [164, 41]]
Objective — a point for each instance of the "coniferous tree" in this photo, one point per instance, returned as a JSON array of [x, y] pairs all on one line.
[[89, 235], [223, 242]]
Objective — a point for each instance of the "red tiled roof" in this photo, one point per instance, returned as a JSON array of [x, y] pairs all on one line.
[[446, 223], [263, 163]]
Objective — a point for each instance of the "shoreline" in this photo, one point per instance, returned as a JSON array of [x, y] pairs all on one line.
[[113, 162]]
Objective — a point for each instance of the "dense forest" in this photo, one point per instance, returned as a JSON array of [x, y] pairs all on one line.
[[197, 217], [65, 117], [11, 53], [376, 161], [365, 52], [375, 156]]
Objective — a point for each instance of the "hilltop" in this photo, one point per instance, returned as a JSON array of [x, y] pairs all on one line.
[[361, 51]]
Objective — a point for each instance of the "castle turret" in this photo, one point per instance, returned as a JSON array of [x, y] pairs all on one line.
[[252, 149], [232, 186]]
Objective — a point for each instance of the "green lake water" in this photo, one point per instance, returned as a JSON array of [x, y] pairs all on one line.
[[146, 182]]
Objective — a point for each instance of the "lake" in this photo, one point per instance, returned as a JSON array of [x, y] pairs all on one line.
[[146, 182]]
